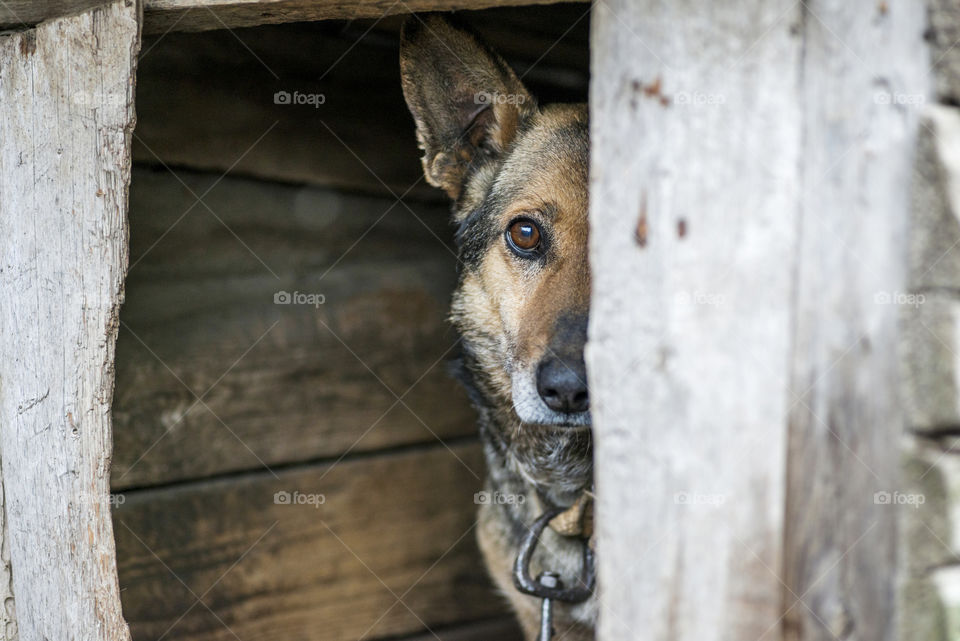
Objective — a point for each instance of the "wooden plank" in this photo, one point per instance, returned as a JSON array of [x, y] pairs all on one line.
[[499, 629], [864, 79], [361, 138], [22, 14], [8, 615], [162, 16], [201, 15], [182, 119], [396, 525], [67, 94], [695, 134], [795, 200], [278, 385]]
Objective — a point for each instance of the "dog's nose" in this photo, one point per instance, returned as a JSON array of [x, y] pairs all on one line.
[[563, 386]]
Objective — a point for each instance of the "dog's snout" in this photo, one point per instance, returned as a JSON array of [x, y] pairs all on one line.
[[563, 385]]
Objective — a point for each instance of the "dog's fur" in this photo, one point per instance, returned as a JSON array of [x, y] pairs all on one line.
[[500, 156]]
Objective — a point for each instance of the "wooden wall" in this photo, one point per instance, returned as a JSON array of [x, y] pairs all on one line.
[[225, 398], [753, 489]]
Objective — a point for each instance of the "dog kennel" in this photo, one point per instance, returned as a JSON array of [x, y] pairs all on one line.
[[284, 336], [262, 442]]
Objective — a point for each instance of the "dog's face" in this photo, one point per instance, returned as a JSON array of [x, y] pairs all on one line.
[[517, 174], [523, 298]]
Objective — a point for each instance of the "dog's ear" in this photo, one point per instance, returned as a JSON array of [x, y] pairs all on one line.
[[464, 98]]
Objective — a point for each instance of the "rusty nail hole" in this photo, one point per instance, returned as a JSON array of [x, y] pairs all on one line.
[[640, 235]]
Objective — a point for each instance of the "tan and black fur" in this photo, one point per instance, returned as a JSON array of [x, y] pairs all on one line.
[[501, 157]]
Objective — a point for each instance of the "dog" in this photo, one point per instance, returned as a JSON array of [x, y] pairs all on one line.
[[517, 175]]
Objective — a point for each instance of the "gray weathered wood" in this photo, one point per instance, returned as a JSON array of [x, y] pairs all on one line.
[[19, 14], [8, 614], [756, 322], [695, 133], [393, 525], [66, 93], [864, 80], [200, 15]]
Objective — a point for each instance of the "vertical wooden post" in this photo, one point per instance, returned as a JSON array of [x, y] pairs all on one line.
[[865, 79], [66, 94], [750, 182]]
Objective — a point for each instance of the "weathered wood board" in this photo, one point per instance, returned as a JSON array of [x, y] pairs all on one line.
[[279, 383], [205, 99], [738, 310], [199, 15], [864, 80], [499, 629], [396, 525], [162, 16], [66, 93], [23, 14], [689, 349]]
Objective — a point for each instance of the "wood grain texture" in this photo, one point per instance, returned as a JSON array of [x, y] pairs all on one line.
[[200, 15], [772, 202], [695, 134], [204, 99], [279, 383], [863, 83], [398, 525], [8, 610], [162, 16], [22, 14], [500, 630], [66, 90]]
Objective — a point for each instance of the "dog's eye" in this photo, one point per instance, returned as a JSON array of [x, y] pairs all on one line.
[[523, 235]]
